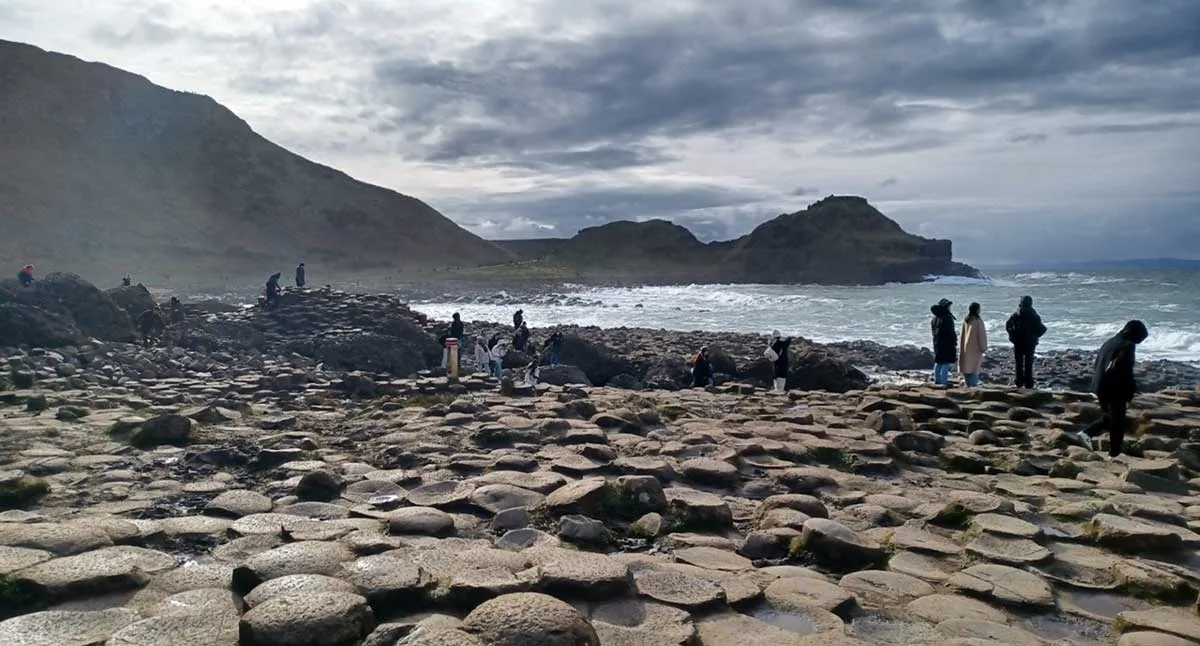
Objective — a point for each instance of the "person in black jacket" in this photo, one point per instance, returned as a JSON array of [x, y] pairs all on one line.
[[273, 290], [457, 329], [555, 344], [945, 341], [518, 319], [779, 348], [702, 372], [1114, 385], [300, 280], [1024, 329], [521, 338]]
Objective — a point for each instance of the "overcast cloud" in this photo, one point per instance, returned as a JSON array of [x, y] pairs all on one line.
[[1024, 130]]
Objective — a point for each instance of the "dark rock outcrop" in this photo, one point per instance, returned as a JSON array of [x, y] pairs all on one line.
[[29, 325], [70, 297], [134, 299]]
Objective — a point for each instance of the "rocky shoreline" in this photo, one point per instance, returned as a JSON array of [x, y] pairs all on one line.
[[299, 476]]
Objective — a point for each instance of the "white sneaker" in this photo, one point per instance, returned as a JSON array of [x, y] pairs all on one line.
[[1087, 441]]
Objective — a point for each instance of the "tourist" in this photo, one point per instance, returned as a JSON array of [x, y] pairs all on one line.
[[300, 276], [127, 281], [945, 341], [1024, 329], [521, 338], [150, 324], [702, 371], [555, 343], [178, 320], [777, 353], [1114, 385], [483, 359], [498, 352], [972, 346], [273, 290], [25, 276], [518, 319], [455, 331]]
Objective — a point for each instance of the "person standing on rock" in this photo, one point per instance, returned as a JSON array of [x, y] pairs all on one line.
[[518, 319], [555, 344], [25, 276], [973, 344], [273, 290], [777, 354], [1114, 385], [498, 352], [702, 371], [455, 331], [150, 324], [521, 338], [1024, 329], [945, 341], [178, 321], [483, 358], [300, 276]]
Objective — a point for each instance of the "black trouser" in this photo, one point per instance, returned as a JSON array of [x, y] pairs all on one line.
[[1114, 421], [1024, 366]]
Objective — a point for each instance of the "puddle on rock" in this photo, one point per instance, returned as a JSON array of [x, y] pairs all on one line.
[[1068, 630], [1101, 604], [891, 631], [796, 622]]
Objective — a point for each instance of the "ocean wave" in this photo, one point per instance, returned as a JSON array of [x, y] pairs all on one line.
[[1050, 278]]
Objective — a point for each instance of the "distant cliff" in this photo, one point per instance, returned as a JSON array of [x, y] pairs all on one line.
[[841, 240], [105, 172]]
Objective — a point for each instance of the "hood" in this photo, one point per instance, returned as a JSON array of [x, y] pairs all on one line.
[[1135, 331], [942, 308], [1026, 302]]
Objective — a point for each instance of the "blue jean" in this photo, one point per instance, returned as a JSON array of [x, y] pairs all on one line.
[[971, 380], [555, 357], [941, 373], [497, 369]]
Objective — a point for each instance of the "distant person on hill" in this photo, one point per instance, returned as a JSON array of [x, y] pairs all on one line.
[[127, 281], [150, 324], [25, 276], [777, 354], [702, 370], [945, 341], [521, 338], [518, 319], [973, 344], [273, 290], [1024, 329], [555, 344], [300, 276], [1114, 385]]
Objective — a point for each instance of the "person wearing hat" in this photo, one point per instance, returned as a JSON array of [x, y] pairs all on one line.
[[777, 353], [25, 276], [945, 341], [1114, 385], [1024, 329]]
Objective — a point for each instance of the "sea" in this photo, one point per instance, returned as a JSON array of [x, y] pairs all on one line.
[[1081, 308]]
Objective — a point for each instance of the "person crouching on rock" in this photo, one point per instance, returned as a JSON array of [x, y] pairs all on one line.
[[498, 352], [150, 324], [273, 290], [1114, 385], [25, 276], [973, 344], [777, 354], [702, 371], [945, 341]]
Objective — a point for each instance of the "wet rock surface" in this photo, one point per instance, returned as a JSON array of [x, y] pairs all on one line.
[[282, 501]]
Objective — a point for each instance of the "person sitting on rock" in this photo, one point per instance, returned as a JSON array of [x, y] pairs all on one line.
[[150, 324], [702, 370], [300, 276], [273, 290], [25, 276], [518, 319], [521, 338], [945, 341], [555, 344], [777, 354], [1114, 385]]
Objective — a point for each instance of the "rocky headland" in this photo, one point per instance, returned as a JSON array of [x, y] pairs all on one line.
[[299, 476]]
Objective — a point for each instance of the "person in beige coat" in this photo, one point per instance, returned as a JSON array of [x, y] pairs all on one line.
[[973, 345]]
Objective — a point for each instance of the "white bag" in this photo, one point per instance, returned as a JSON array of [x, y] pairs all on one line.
[[771, 354]]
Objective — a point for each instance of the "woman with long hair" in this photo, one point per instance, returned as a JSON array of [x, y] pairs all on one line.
[[973, 344]]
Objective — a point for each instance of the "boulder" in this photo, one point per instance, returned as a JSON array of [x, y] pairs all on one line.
[[319, 619], [134, 299], [29, 325], [93, 311], [561, 375], [837, 547], [599, 362], [529, 619], [668, 372], [163, 429]]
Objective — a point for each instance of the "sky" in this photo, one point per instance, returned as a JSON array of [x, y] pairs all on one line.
[[1024, 130]]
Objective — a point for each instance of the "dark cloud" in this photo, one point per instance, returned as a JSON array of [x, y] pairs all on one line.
[[1028, 137], [891, 181], [1123, 128], [801, 191]]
